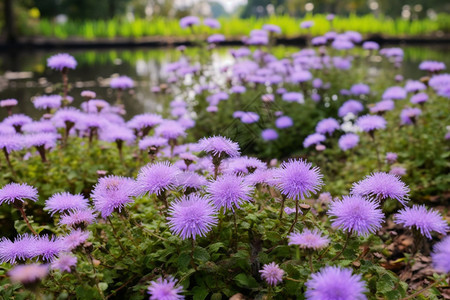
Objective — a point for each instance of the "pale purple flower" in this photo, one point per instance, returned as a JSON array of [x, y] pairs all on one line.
[[342, 44], [360, 89], [350, 106], [17, 121], [397, 170], [144, 121], [348, 141], [383, 106], [165, 289], [391, 157], [381, 186], [121, 83], [11, 142], [211, 23], [422, 219], [284, 122], [116, 133], [41, 139], [47, 102], [297, 179], [28, 274], [157, 178], [432, 66], [88, 94], [65, 201], [61, 61], [152, 141], [394, 93], [66, 117], [216, 38], [441, 255], [191, 180], [414, 86], [19, 249], [170, 130], [327, 126], [189, 21], [306, 24], [438, 82], [369, 123], [419, 98], [319, 40], [271, 28], [191, 216], [229, 191], [74, 239], [330, 17], [45, 247], [39, 127], [409, 115], [8, 102], [301, 76], [77, 217], [308, 239], [249, 117], [333, 283], [269, 134], [342, 63], [272, 273], [219, 146], [313, 139], [112, 193], [14, 192], [6, 129], [238, 89], [64, 262], [369, 45], [356, 214], [293, 97], [243, 165]]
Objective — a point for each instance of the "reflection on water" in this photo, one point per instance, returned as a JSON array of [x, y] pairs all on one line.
[[24, 74]]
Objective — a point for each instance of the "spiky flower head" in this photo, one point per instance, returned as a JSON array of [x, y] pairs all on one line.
[[157, 178], [333, 283], [19, 249], [61, 61], [356, 214], [64, 262], [350, 106], [219, 146], [165, 289], [272, 273], [441, 255], [297, 179], [328, 125], [14, 192], [191, 216], [229, 191], [47, 102], [113, 193], [170, 129], [422, 219], [8, 102], [381, 186], [77, 217], [11, 142], [74, 239], [313, 139], [308, 239], [28, 274], [409, 115], [369, 123], [348, 141], [121, 82], [46, 247], [65, 201], [152, 141]]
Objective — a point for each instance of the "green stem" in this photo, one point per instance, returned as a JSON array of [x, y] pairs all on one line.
[[343, 248]]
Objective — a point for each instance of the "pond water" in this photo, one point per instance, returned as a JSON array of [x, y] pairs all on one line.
[[24, 74]]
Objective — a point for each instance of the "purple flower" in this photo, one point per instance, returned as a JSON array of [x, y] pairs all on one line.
[[272, 273], [301, 76], [284, 122], [112, 193], [45, 247], [360, 89], [191, 216], [356, 214], [8, 103], [152, 141], [409, 115], [170, 130], [369, 45], [383, 106], [229, 191], [381, 186], [249, 117], [11, 142], [211, 23], [219, 146], [165, 289], [121, 83], [397, 170], [216, 38], [414, 86], [369, 123], [419, 98], [394, 93], [441, 255], [297, 179], [74, 239], [189, 21], [144, 121], [328, 125], [14, 192], [293, 97], [17, 121], [391, 157], [65, 201], [308, 239], [88, 94], [191, 180], [319, 40], [77, 217], [313, 139], [342, 44], [61, 61], [64, 262], [432, 66], [39, 127], [66, 116], [424, 220], [332, 283], [20, 249], [116, 133], [243, 165], [271, 28], [45, 139], [47, 102], [269, 134], [28, 274], [157, 178], [350, 106], [348, 141], [306, 24]]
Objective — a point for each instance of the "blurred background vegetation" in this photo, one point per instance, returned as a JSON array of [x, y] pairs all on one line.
[[137, 18]]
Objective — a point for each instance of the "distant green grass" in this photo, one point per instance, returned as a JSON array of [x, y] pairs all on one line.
[[235, 28]]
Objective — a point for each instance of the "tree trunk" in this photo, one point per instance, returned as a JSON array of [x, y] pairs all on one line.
[[9, 21]]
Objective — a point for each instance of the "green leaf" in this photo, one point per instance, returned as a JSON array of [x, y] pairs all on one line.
[[183, 260], [244, 280], [201, 254], [385, 284], [200, 292], [87, 292], [216, 296], [215, 247]]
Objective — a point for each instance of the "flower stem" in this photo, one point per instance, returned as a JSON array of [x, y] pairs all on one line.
[[26, 220], [9, 162], [412, 296], [343, 248], [192, 254], [283, 199], [296, 217]]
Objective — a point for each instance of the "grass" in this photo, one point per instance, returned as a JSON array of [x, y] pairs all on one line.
[[235, 28]]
